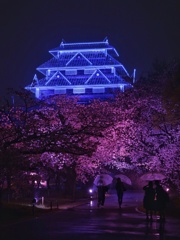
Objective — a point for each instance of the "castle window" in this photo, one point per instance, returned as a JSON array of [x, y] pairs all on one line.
[[60, 91], [88, 71], [71, 72], [78, 90], [98, 90]]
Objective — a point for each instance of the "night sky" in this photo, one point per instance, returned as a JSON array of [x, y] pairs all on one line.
[[140, 30]]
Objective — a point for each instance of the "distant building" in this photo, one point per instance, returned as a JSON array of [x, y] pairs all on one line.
[[88, 70]]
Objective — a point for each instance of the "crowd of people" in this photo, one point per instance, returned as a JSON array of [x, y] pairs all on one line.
[[155, 197]]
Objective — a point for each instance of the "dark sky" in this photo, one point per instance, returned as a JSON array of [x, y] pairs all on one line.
[[140, 30]]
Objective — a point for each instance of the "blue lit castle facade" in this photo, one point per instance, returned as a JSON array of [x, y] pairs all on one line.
[[88, 70]]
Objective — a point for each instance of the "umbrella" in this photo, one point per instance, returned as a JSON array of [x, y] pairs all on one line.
[[152, 176], [124, 179], [103, 179]]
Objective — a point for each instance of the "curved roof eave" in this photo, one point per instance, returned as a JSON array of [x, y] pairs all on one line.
[[78, 86], [58, 49]]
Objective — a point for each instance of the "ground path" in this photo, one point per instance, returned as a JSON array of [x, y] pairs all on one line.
[[87, 221]]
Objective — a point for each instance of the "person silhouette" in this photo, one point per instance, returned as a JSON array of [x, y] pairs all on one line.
[[161, 200], [101, 193], [148, 200], [120, 191]]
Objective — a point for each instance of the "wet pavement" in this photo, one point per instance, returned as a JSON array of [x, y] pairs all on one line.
[[87, 221]]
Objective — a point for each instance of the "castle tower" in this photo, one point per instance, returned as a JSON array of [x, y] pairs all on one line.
[[88, 69]]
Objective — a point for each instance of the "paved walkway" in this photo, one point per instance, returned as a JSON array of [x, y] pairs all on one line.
[[131, 219], [85, 221]]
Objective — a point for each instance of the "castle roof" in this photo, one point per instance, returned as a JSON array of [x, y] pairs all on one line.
[[80, 68], [84, 46]]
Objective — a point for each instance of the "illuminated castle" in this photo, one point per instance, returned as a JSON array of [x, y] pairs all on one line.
[[87, 69]]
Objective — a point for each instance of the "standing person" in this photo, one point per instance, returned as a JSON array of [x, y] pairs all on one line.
[[120, 191], [161, 199], [148, 201], [101, 193]]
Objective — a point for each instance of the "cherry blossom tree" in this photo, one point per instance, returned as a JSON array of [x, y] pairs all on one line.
[[148, 130], [57, 126]]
